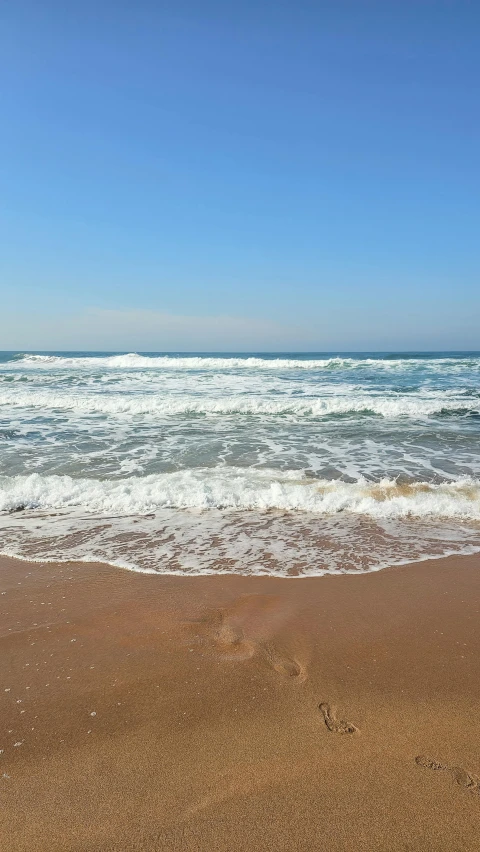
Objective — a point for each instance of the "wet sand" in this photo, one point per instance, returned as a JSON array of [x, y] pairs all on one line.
[[227, 713]]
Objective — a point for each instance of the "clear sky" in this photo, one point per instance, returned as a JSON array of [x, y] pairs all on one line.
[[258, 174]]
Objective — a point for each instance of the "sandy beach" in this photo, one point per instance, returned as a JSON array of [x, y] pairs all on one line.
[[233, 713], [240, 427]]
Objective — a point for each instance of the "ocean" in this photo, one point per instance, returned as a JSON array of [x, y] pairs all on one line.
[[284, 464]]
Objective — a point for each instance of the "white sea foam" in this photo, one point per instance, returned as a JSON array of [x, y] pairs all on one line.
[[387, 405], [193, 542], [242, 489]]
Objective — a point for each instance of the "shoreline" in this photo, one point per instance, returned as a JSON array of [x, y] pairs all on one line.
[[215, 572], [6, 556], [148, 712]]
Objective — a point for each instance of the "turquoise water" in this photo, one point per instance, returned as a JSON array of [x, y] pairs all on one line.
[[301, 463]]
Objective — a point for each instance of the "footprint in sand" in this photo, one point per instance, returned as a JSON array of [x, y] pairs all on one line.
[[465, 779], [336, 726], [232, 640], [236, 633], [281, 663], [222, 635]]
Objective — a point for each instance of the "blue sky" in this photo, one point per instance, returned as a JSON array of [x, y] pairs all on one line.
[[251, 175]]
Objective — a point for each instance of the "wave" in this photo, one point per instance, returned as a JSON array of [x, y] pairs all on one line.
[[142, 404], [169, 362], [134, 361], [239, 489]]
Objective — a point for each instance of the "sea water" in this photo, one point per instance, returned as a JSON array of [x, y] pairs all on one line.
[[291, 464]]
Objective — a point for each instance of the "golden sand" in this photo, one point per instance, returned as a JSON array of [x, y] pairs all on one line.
[[240, 714]]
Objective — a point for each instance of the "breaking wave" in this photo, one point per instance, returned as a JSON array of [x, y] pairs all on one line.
[[401, 405], [240, 489], [134, 361]]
